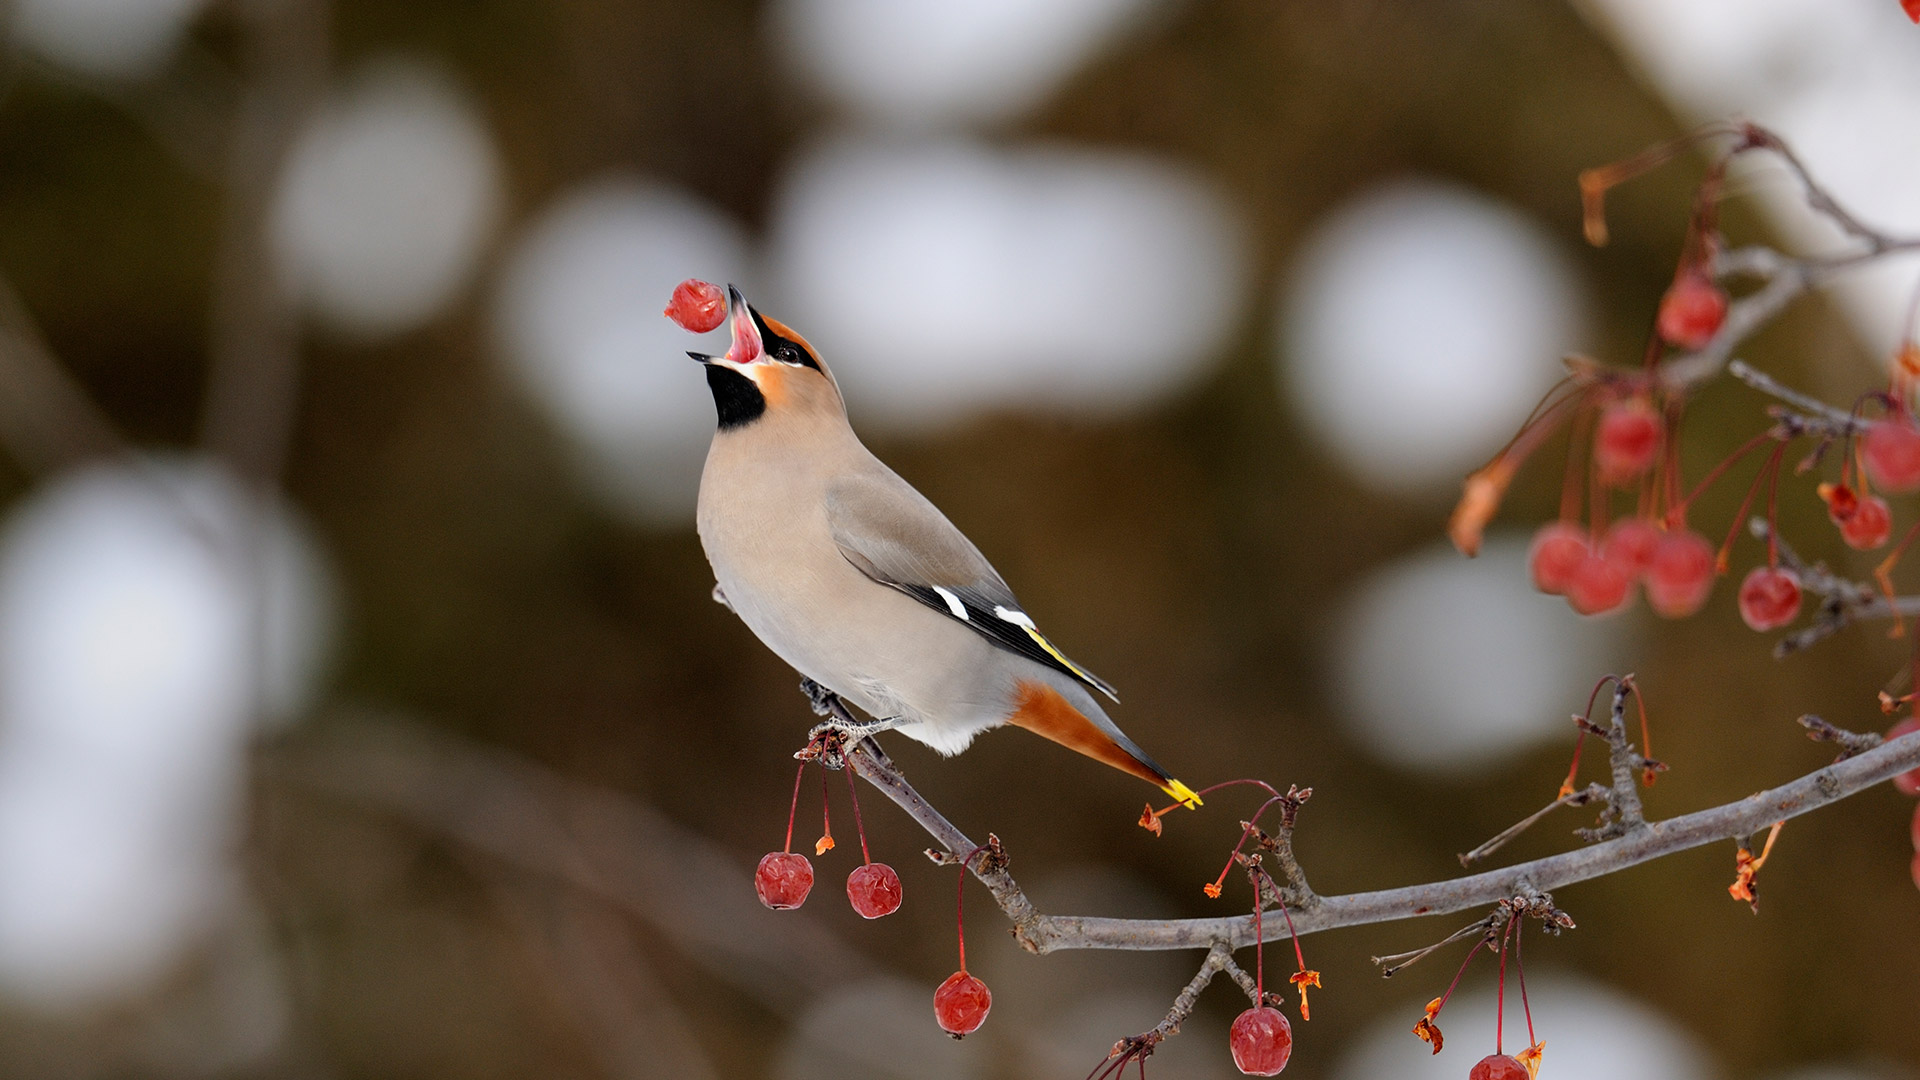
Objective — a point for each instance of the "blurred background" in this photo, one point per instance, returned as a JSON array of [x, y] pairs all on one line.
[[363, 710]]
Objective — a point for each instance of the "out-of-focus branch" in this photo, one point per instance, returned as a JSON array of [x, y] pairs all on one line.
[[604, 844], [252, 386], [47, 421]]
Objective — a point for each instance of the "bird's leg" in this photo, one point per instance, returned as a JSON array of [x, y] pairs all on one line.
[[840, 728]]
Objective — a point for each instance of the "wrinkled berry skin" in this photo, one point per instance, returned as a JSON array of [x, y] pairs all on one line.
[[783, 880], [697, 306], [961, 1004], [874, 890], [1769, 598], [1499, 1067], [1261, 1041]]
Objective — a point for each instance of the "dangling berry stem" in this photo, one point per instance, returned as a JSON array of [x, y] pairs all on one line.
[[1677, 513], [825, 843], [1521, 969], [1500, 994], [858, 825], [794, 809], [1770, 467]]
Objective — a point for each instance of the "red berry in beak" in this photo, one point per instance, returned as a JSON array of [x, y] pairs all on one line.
[[697, 306], [1627, 440], [961, 1004], [1891, 451], [1692, 310], [1557, 551], [1680, 574], [1261, 1041], [874, 890], [783, 880], [1769, 598], [1499, 1067]]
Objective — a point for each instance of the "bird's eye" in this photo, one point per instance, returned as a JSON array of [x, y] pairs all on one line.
[[788, 353]]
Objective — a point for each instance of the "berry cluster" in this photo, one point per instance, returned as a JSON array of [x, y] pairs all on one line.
[[785, 877], [1498, 933]]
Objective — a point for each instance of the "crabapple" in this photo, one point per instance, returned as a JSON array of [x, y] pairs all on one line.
[[1261, 1041], [783, 879], [874, 890], [1556, 552], [961, 1004], [1680, 574], [1769, 598], [1907, 783], [1869, 526], [697, 306], [1499, 1067], [1891, 451], [1631, 543], [1692, 310], [1627, 440], [1599, 584]]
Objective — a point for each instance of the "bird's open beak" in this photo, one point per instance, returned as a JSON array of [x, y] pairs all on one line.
[[746, 347], [747, 344]]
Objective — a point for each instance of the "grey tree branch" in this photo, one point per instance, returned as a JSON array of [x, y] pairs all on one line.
[[1051, 933]]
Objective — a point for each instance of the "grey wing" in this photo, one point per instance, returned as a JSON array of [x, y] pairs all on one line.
[[894, 535]]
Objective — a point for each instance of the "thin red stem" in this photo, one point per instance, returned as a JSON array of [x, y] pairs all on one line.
[[1259, 952], [1521, 970], [1740, 515], [826, 816], [1500, 995], [1570, 483], [1448, 996], [1773, 508], [794, 810], [959, 906], [858, 825], [1678, 513], [1244, 833]]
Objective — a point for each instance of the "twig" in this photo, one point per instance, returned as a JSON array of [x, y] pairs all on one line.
[[1393, 965], [1851, 742], [1592, 793]]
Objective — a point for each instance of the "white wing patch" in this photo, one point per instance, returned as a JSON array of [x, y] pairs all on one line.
[[1017, 618], [953, 603]]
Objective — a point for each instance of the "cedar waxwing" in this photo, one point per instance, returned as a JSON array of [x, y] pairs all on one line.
[[854, 578]]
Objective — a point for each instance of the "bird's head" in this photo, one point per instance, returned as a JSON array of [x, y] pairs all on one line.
[[768, 370]]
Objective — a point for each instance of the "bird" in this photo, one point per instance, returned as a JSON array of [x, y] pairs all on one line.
[[860, 583]]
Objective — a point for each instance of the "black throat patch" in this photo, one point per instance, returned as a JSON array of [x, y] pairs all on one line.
[[736, 401]]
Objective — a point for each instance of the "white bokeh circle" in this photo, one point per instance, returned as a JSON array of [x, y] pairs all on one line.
[[119, 39], [925, 62], [942, 279], [387, 200], [1444, 663], [1418, 325], [578, 313]]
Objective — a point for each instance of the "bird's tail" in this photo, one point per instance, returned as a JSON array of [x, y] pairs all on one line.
[[1045, 711]]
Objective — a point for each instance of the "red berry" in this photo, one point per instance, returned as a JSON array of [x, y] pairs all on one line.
[[1869, 526], [1769, 598], [1891, 451], [1599, 584], [698, 306], [1680, 574], [1631, 543], [783, 879], [1627, 440], [1499, 1067], [1261, 1040], [1557, 551], [1907, 783], [1692, 310], [1912, 8], [874, 890], [961, 1004]]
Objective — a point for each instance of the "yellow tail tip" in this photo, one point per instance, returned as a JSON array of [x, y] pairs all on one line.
[[1181, 794]]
